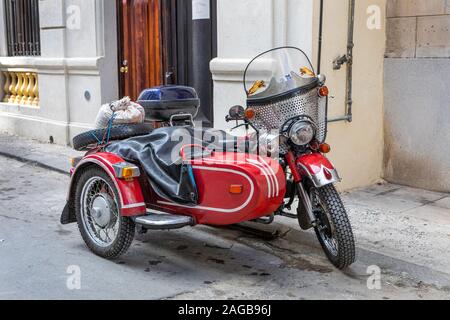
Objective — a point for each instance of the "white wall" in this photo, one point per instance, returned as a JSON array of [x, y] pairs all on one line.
[[247, 28], [79, 56], [357, 147]]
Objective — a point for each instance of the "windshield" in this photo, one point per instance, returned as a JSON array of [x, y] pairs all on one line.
[[278, 71]]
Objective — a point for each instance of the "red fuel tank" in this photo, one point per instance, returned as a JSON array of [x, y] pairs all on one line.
[[233, 188]]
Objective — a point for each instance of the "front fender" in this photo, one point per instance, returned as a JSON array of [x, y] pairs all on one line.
[[132, 201], [318, 169]]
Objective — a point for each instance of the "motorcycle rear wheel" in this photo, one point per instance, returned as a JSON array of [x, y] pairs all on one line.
[[333, 228]]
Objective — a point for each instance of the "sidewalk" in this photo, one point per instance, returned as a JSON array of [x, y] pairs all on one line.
[[401, 229], [45, 155]]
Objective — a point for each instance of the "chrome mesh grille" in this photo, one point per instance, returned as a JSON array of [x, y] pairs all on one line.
[[272, 116]]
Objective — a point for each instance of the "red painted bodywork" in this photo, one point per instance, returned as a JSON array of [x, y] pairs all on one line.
[[314, 163], [263, 181], [130, 192]]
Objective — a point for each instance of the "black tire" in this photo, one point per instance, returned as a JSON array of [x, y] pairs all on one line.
[[126, 226], [342, 234], [119, 132]]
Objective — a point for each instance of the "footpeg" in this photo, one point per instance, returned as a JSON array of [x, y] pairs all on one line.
[[163, 221]]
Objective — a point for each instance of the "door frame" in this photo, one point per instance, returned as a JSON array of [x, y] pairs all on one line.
[[119, 48]]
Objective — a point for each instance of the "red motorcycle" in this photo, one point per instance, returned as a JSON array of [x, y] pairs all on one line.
[[170, 174]]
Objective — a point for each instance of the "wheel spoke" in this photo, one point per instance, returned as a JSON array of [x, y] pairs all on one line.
[[106, 234], [97, 188]]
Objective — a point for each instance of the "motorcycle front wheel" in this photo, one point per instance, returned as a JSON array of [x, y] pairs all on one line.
[[333, 227]]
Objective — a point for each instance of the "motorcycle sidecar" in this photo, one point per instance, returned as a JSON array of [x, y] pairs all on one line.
[[232, 188]]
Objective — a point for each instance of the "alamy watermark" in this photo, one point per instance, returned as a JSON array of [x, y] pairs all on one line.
[[73, 281], [374, 279], [73, 17], [374, 21]]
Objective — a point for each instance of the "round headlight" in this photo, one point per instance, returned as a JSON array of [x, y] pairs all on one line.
[[302, 133]]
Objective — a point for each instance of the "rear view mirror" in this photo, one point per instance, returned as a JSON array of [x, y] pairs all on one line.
[[236, 112]]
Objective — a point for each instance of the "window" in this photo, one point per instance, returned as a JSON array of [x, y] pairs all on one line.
[[22, 27]]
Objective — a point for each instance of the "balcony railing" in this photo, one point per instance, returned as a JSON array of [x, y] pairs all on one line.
[[21, 88]]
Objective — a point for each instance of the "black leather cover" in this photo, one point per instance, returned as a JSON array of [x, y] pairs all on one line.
[[159, 155]]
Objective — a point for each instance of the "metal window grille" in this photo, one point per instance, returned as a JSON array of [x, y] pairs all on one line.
[[22, 27]]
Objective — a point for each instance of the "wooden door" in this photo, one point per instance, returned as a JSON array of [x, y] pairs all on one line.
[[140, 53]]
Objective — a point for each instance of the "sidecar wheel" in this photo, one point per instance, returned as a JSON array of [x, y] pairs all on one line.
[[97, 207], [334, 230]]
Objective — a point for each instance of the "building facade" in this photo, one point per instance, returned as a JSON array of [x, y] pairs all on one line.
[[74, 73], [207, 44], [246, 29], [417, 95]]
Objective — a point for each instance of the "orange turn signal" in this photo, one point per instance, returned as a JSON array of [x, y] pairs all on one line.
[[250, 113], [324, 91], [75, 161], [236, 189], [127, 173], [325, 148]]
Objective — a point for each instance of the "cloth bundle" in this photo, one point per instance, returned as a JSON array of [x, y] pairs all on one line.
[[125, 112]]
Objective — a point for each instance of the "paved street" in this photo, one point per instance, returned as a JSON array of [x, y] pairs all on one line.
[[404, 232]]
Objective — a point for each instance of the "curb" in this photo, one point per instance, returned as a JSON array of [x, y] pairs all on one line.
[[34, 162]]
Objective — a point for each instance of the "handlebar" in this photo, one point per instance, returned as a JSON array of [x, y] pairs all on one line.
[[229, 118]]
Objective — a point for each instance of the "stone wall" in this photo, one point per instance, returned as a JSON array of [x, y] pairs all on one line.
[[417, 95], [418, 29]]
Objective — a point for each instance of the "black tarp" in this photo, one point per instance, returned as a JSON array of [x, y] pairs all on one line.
[[159, 155]]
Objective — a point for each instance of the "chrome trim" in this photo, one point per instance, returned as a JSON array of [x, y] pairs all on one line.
[[322, 79], [320, 180], [134, 205], [301, 125], [157, 221]]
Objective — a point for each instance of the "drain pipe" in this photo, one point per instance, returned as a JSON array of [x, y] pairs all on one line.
[[348, 58], [319, 49]]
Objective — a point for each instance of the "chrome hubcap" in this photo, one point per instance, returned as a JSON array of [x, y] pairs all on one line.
[[100, 211]]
